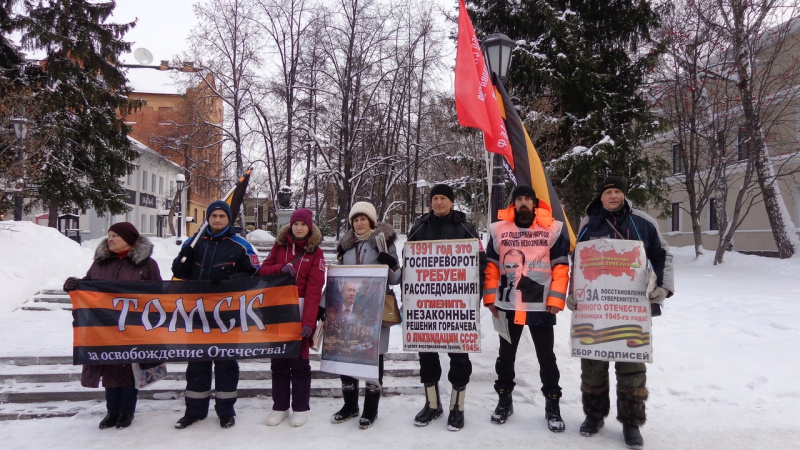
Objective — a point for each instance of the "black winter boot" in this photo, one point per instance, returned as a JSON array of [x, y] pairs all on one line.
[[596, 405], [552, 412], [433, 406], [110, 420], [631, 413], [125, 420], [455, 421], [505, 405], [372, 396], [633, 438], [350, 408], [591, 426]]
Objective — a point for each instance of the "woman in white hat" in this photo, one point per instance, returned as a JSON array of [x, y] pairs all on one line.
[[367, 242]]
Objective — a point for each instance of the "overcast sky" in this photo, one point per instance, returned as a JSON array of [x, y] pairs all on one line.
[[162, 27]]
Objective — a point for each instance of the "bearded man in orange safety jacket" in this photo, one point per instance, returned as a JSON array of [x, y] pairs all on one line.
[[526, 281]]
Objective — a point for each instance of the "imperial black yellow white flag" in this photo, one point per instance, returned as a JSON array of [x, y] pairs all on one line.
[[528, 169], [161, 321]]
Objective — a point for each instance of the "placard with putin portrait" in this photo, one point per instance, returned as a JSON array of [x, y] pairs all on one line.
[[354, 299]]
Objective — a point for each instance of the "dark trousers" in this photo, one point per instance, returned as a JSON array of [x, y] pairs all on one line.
[[121, 399], [629, 374], [346, 379], [291, 379], [198, 387], [430, 370], [543, 340]]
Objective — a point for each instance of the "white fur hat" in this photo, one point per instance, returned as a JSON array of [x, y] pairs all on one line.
[[365, 208]]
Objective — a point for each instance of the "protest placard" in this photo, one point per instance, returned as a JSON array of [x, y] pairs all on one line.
[[612, 320], [354, 312], [441, 296]]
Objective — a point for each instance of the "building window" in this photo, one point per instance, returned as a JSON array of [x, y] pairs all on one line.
[[397, 223], [160, 185], [745, 144], [152, 223], [712, 215], [153, 183], [676, 217], [677, 161], [143, 224], [144, 181]]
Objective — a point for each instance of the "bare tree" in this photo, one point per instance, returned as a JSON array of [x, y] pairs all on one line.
[[763, 71], [225, 43]]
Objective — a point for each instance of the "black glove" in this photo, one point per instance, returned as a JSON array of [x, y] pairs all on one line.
[[71, 284], [217, 278], [655, 309], [321, 313], [306, 331], [186, 255], [389, 260]]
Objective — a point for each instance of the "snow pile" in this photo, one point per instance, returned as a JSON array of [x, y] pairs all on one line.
[[34, 257]]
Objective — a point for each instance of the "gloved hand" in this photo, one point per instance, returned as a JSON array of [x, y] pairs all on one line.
[[389, 260], [658, 295], [306, 331], [288, 268], [655, 309], [186, 255], [217, 278], [321, 313], [572, 302], [71, 284]]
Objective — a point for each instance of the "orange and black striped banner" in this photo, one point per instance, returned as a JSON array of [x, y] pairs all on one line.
[[633, 334], [161, 321], [528, 169]]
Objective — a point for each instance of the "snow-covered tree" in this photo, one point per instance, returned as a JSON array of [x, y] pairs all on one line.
[[578, 73], [82, 92]]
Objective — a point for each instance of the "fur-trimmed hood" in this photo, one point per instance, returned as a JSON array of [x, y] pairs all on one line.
[[141, 250], [312, 242], [348, 240]]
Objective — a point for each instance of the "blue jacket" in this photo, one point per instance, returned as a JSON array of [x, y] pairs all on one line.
[[221, 257]]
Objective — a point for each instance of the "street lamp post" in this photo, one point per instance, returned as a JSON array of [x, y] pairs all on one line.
[[21, 131], [497, 51], [180, 182], [422, 185]]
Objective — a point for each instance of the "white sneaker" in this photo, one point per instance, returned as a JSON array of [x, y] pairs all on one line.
[[299, 418], [276, 417]]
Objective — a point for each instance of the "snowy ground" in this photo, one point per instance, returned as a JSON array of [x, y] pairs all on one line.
[[724, 372]]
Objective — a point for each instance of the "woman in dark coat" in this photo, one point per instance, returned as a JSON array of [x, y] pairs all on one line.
[[123, 256], [367, 242]]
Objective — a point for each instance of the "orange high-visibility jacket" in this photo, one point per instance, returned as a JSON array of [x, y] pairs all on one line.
[[534, 262]]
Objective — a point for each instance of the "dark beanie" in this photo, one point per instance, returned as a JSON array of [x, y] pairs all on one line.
[[219, 204], [126, 231], [523, 190], [443, 189], [612, 182], [303, 215]]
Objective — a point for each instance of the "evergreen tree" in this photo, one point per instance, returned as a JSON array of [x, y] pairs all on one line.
[[577, 75], [84, 95]]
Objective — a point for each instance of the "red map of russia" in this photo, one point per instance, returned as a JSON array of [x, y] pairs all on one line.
[[595, 263]]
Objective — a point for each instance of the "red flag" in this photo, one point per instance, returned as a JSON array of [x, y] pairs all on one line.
[[476, 104]]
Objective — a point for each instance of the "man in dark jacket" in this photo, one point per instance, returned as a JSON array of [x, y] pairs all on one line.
[[443, 222], [219, 254], [610, 216]]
